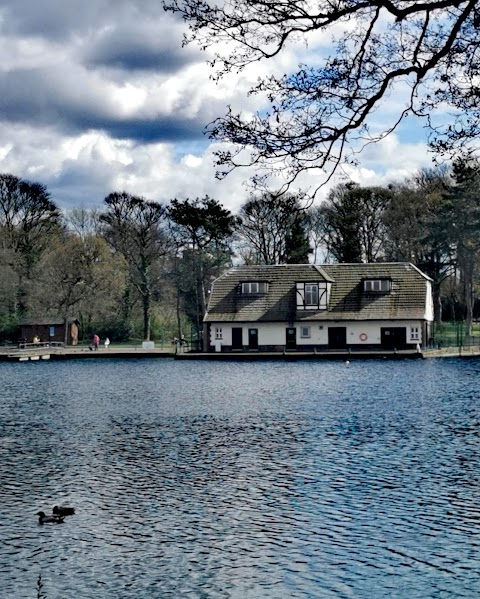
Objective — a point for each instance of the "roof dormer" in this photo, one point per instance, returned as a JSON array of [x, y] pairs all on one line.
[[377, 285], [313, 295], [254, 287]]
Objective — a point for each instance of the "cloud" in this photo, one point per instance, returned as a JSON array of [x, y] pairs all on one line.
[[141, 48], [82, 170], [74, 101], [101, 97], [60, 19]]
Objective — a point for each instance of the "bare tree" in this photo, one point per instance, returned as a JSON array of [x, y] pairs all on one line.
[[27, 216], [77, 274], [317, 232], [29, 220], [202, 230], [83, 221], [462, 226], [320, 115], [417, 228], [353, 219], [267, 222], [134, 227]]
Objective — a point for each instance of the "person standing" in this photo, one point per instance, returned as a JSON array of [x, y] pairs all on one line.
[[96, 341], [107, 342]]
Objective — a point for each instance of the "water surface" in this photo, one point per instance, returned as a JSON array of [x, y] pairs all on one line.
[[241, 480]]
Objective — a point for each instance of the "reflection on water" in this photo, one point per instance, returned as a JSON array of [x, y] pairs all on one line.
[[248, 480]]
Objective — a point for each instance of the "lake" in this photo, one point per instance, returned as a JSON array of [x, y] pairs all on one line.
[[240, 480]]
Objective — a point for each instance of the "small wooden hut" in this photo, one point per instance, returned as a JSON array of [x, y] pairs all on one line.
[[48, 330]]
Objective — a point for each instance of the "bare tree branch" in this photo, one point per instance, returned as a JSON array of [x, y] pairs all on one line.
[[321, 116]]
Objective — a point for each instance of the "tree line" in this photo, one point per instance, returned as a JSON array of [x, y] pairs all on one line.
[[135, 268]]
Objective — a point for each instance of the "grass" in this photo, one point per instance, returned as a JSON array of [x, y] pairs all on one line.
[[454, 334]]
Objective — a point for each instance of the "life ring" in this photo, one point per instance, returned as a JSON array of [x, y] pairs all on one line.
[[363, 336]]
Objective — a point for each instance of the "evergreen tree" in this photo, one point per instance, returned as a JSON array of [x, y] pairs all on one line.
[[297, 245], [202, 230]]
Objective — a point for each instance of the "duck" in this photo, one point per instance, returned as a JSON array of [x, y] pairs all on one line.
[[43, 519], [62, 510]]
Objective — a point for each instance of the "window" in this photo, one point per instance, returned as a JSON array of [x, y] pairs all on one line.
[[218, 333], [254, 287], [311, 294], [305, 332], [415, 333], [377, 285]]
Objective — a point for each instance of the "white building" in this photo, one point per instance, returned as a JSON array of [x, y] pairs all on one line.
[[307, 307]]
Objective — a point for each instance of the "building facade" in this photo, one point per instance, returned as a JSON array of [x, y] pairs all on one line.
[[49, 330], [319, 308]]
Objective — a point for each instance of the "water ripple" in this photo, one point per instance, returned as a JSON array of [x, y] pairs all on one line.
[[228, 480]]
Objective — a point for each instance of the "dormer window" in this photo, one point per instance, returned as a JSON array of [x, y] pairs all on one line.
[[313, 295], [377, 285], [254, 287]]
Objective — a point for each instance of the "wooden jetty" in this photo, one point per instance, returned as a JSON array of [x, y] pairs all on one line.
[[28, 354], [53, 353]]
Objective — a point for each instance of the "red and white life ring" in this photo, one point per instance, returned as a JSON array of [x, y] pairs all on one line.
[[363, 336]]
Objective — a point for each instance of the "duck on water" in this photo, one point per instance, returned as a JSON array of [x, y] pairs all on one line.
[[44, 519], [63, 510], [58, 515]]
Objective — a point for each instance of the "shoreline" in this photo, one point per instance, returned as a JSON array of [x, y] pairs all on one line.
[[80, 353], [76, 353]]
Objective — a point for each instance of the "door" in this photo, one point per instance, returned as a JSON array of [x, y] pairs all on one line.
[[337, 337], [237, 338], [291, 338], [252, 338], [393, 337]]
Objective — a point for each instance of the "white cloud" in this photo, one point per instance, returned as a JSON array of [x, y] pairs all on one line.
[[105, 99]]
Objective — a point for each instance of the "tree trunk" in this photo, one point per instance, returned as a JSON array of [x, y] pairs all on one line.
[[469, 306], [199, 289], [437, 304], [146, 293], [146, 315], [65, 339], [179, 320], [468, 289]]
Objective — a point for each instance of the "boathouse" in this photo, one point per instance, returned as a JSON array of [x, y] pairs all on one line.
[[305, 307]]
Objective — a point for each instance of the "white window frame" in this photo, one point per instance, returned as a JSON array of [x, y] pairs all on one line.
[[218, 333], [311, 294], [305, 333], [377, 285], [254, 287], [415, 333]]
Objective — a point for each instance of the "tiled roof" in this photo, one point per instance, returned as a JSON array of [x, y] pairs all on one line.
[[406, 300]]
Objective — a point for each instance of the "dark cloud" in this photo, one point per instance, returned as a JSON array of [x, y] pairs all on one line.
[[99, 95], [61, 18], [65, 101], [150, 131], [141, 49]]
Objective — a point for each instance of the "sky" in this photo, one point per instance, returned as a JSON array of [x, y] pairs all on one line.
[[100, 96]]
